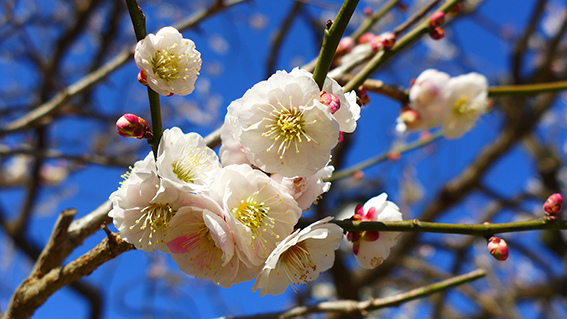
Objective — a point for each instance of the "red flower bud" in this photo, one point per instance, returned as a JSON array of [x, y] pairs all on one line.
[[388, 40], [130, 125], [331, 101], [346, 44], [143, 77], [437, 19], [365, 38], [498, 248], [437, 33], [552, 206]]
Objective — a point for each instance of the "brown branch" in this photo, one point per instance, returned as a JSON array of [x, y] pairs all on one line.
[[362, 307], [33, 291]]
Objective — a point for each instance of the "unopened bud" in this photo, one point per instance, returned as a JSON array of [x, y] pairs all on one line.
[[456, 9], [341, 136], [346, 44], [130, 125], [498, 248], [331, 101], [365, 38], [143, 77], [437, 33], [552, 206], [362, 96], [388, 40], [437, 19], [410, 119], [367, 11]]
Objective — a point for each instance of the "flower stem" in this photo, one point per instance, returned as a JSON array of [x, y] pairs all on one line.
[[528, 89], [445, 228], [139, 23], [331, 41], [370, 21]]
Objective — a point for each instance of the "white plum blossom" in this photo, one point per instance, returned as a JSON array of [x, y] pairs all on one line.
[[282, 127], [306, 190], [466, 99], [202, 244], [230, 151], [349, 111], [300, 258], [259, 213], [170, 62], [371, 248], [186, 159], [143, 206], [426, 98]]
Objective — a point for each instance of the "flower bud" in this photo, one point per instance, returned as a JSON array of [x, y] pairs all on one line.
[[498, 248], [552, 206], [143, 77], [388, 40], [437, 33], [367, 11], [363, 97], [130, 125], [365, 38], [410, 118], [346, 44], [437, 19], [331, 101], [341, 136]]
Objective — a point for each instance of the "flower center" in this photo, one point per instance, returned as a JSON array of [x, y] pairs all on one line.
[[252, 214], [463, 106], [166, 65], [190, 167], [286, 127], [297, 263], [154, 222]]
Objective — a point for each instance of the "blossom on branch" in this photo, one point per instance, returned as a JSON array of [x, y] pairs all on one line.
[[306, 190], [143, 206], [171, 63], [300, 258], [426, 99], [202, 244], [186, 159], [259, 213], [283, 127], [371, 248]]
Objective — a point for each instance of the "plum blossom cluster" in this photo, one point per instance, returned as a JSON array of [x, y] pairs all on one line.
[[438, 100], [231, 218]]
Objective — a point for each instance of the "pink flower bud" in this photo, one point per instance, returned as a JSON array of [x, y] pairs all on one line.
[[130, 125], [365, 38], [437, 19], [498, 248], [346, 44], [410, 119], [553, 205], [143, 77], [331, 101], [437, 33], [341, 136], [367, 11], [363, 97], [388, 40]]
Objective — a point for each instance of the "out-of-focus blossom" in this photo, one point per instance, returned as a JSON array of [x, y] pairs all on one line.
[[171, 63], [466, 99], [371, 248], [426, 98], [300, 257]]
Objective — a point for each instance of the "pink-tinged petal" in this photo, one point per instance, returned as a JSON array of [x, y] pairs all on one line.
[[370, 214], [177, 245], [370, 235]]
